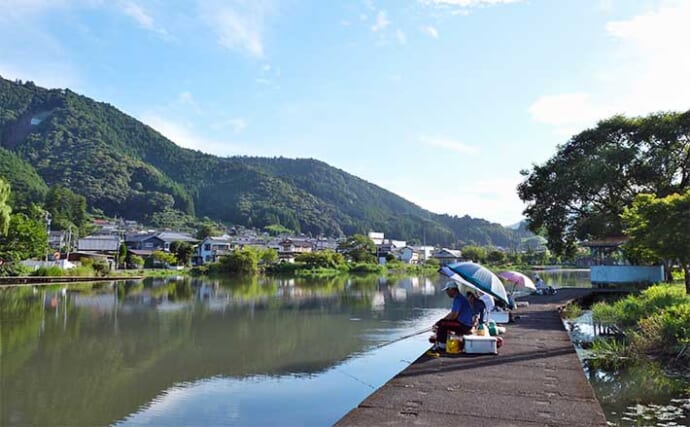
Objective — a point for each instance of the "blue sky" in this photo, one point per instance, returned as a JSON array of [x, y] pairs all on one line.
[[440, 101]]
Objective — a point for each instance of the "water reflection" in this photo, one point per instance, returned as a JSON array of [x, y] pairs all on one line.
[[565, 278], [92, 355], [645, 393]]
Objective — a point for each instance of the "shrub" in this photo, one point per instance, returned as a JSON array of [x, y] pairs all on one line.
[[366, 268], [82, 271], [604, 313], [667, 330], [13, 269], [572, 311], [628, 311], [48, 271]]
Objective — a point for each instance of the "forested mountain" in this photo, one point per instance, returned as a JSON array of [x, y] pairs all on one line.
[[127, 169]]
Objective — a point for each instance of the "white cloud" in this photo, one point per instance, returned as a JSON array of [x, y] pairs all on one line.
[[135, 11], [448, 144], [568, 111], [45, 73], [400, 35], [381, 22], [469, 3], [186, 99], [142, 17], [238, 25], [18, 8], [492, 199], [649, 73], [237, 125], [184, 135], [431, 31], [463, 7]]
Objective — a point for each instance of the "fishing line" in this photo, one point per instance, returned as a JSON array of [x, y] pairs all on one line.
[[404, 337]]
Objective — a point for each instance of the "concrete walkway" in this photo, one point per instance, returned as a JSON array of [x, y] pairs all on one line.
[[535, 380]]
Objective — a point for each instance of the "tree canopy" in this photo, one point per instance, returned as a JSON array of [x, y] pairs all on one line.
[[658, 228], [358, 248], [581, 192]]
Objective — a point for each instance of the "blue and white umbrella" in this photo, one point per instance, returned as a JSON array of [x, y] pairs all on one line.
[[476, 277]]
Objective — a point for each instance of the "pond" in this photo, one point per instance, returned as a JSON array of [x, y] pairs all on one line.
[[645, 394], [565, 278], [208, 352]]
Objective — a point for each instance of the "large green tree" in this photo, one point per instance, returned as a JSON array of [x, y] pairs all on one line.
[[66, 208], [358, 248], [658, 229], [5, 209], [183, 251], [26, 237], [581, 192]]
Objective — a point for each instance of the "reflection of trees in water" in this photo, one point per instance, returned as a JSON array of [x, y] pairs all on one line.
[[565, 278], [114, 350], [641, 383]]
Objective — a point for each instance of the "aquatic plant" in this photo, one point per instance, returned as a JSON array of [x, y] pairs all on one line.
[[571, 311], [604, 313], [611, 353]]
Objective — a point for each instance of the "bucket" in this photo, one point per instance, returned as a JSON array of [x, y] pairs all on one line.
[[453, 344]]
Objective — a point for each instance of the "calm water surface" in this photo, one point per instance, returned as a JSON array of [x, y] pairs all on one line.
[[644, 394], [201, 352]]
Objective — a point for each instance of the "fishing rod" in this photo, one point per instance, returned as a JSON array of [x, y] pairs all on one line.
[[404, 337]]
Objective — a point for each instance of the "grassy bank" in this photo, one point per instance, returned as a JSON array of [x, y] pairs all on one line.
[[656, 324]]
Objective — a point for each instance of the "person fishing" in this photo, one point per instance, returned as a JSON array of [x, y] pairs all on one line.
[[478, 308], [460, 319]]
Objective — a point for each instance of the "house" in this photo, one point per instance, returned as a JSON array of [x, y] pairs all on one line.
[[324, 244], [211, 248], [57, 239], [100, 244], [157, 241], [290, 248], [408, 255], [386, 247], [610, 267], [424, 252], [447, 256], [376, 237]]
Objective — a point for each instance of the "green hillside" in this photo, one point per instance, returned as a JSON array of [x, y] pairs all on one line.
[[125, 168]]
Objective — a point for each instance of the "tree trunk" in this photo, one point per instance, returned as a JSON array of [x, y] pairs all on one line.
[[668, 267], [686, 270]]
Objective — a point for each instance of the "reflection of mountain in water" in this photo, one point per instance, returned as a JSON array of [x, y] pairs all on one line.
[[97, 357]]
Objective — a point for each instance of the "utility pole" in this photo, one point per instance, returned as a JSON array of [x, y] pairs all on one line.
[[48, 219], [69, 241]]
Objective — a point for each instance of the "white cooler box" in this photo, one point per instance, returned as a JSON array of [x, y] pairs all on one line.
[[499, 316], [477, 344]]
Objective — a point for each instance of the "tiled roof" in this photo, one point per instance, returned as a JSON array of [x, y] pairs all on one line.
[[99, 243]]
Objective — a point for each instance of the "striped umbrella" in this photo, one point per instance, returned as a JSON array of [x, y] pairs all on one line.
[[477, 277]]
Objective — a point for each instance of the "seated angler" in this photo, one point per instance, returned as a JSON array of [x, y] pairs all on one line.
[[478, 308], [460, 319]]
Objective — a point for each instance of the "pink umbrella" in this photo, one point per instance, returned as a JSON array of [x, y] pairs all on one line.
[[517, 279]]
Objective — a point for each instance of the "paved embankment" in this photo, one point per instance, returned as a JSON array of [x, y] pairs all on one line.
[[536, 379]]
